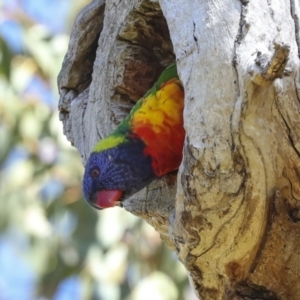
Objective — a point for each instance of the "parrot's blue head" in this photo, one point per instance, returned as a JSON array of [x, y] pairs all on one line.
[[115, 174]]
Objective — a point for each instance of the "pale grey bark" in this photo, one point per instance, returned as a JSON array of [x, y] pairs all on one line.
[[233, 213]]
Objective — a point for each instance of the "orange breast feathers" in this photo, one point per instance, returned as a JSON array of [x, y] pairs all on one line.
[[159, 123]]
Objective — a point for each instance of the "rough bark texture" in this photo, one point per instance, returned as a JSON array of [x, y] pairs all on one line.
[[232, 213]]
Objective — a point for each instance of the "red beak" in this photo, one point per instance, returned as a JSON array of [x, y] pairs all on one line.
[[108, 198]]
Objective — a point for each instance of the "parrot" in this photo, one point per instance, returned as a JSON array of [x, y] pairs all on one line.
[[145, 146]]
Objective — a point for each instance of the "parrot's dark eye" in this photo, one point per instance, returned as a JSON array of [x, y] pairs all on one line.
[[95, 172]]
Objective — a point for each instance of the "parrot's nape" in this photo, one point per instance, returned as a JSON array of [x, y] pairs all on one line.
[[146, 145]]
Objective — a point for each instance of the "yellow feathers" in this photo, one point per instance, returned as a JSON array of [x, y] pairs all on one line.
[[109, 142], [162, 109]]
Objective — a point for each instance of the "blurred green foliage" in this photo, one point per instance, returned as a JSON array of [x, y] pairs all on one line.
[[113, 254]]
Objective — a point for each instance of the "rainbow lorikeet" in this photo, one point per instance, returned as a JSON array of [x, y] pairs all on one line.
[[146, 145]]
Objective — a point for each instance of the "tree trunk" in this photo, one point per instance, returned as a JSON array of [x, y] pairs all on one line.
[[232, 212]]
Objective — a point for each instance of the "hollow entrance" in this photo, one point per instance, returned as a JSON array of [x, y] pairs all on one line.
[[145, 50]]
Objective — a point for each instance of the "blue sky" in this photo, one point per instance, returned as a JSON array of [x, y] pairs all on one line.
[[52, 14], [14, 285], [17, 279]]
